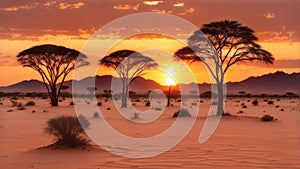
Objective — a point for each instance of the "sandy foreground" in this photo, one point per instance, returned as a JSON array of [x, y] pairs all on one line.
[[239, 142]]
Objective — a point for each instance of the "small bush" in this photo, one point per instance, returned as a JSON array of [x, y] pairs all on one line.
[[240, 112], [16, 104], [72, 103], [147, 104], [277, 106], [21, 108], [244, 106], [108, 108], [10, 110], [136, 116], [194, 104], [137, 100], [96, 115], [267, 118], [270, 102], [30, 103], [201, 101], [255, 102], [157, 109], [281, 109], [99, 104], [226, 114], [67, 130], [182, 113]]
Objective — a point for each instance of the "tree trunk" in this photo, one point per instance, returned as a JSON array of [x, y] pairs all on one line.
[[54, 97], [169, 93], [124, 99], [220, 95]]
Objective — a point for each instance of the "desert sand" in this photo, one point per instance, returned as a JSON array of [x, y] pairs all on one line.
[[240, 141]]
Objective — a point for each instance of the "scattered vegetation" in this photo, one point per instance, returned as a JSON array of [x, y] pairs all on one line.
[[240, 112], [99, 104], [226, 114], [147, 104], [72, 103], [270, 102], [96, 115], [244, 106], [10, 110], [67, 130], [136, 116], [182, 113], [281, 109], [157, 109], [267, 118], [255, 102], [30, 103], [108, 108]]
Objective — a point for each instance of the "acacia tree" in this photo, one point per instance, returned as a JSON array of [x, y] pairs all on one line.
[[128, 65], [53, 63], [229, 43]]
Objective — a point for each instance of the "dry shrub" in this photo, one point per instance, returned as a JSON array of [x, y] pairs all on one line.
[[67, 130], [182, 113]]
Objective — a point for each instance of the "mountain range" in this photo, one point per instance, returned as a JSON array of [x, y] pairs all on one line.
[[273, 83]]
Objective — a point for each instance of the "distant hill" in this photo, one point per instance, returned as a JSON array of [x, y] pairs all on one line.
[[273, 83]]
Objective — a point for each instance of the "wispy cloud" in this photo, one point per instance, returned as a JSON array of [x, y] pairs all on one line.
[[49, 3], [65, 5], [180, 4], [152, 3], [162, 11], [127, 7], [187, 11], [269, 15], [20, 7]]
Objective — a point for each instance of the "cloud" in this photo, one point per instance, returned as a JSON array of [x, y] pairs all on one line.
[[49, 3], [187, 11], [7, 60], [162, 11], [20, 7], [127, 7], [152, 3], [269, 15], [276, 36], [65, 5], [180, 4]]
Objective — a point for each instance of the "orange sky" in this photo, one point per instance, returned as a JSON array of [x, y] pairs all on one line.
[[71, 23]]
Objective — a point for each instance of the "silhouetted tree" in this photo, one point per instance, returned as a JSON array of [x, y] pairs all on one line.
[[129, 65], [231, 43], [53, 63]]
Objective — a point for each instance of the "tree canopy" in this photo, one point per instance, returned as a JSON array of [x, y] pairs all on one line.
[[53, 63], [219, 45], [128, 65]]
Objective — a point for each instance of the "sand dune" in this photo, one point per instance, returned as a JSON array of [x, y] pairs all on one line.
[[242, 141]]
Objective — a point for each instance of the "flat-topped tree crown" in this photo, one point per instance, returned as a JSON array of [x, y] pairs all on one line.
[[129, 65], [53, 63], [219, 45]]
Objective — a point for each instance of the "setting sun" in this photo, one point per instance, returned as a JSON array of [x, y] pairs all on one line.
[[170, 82]]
